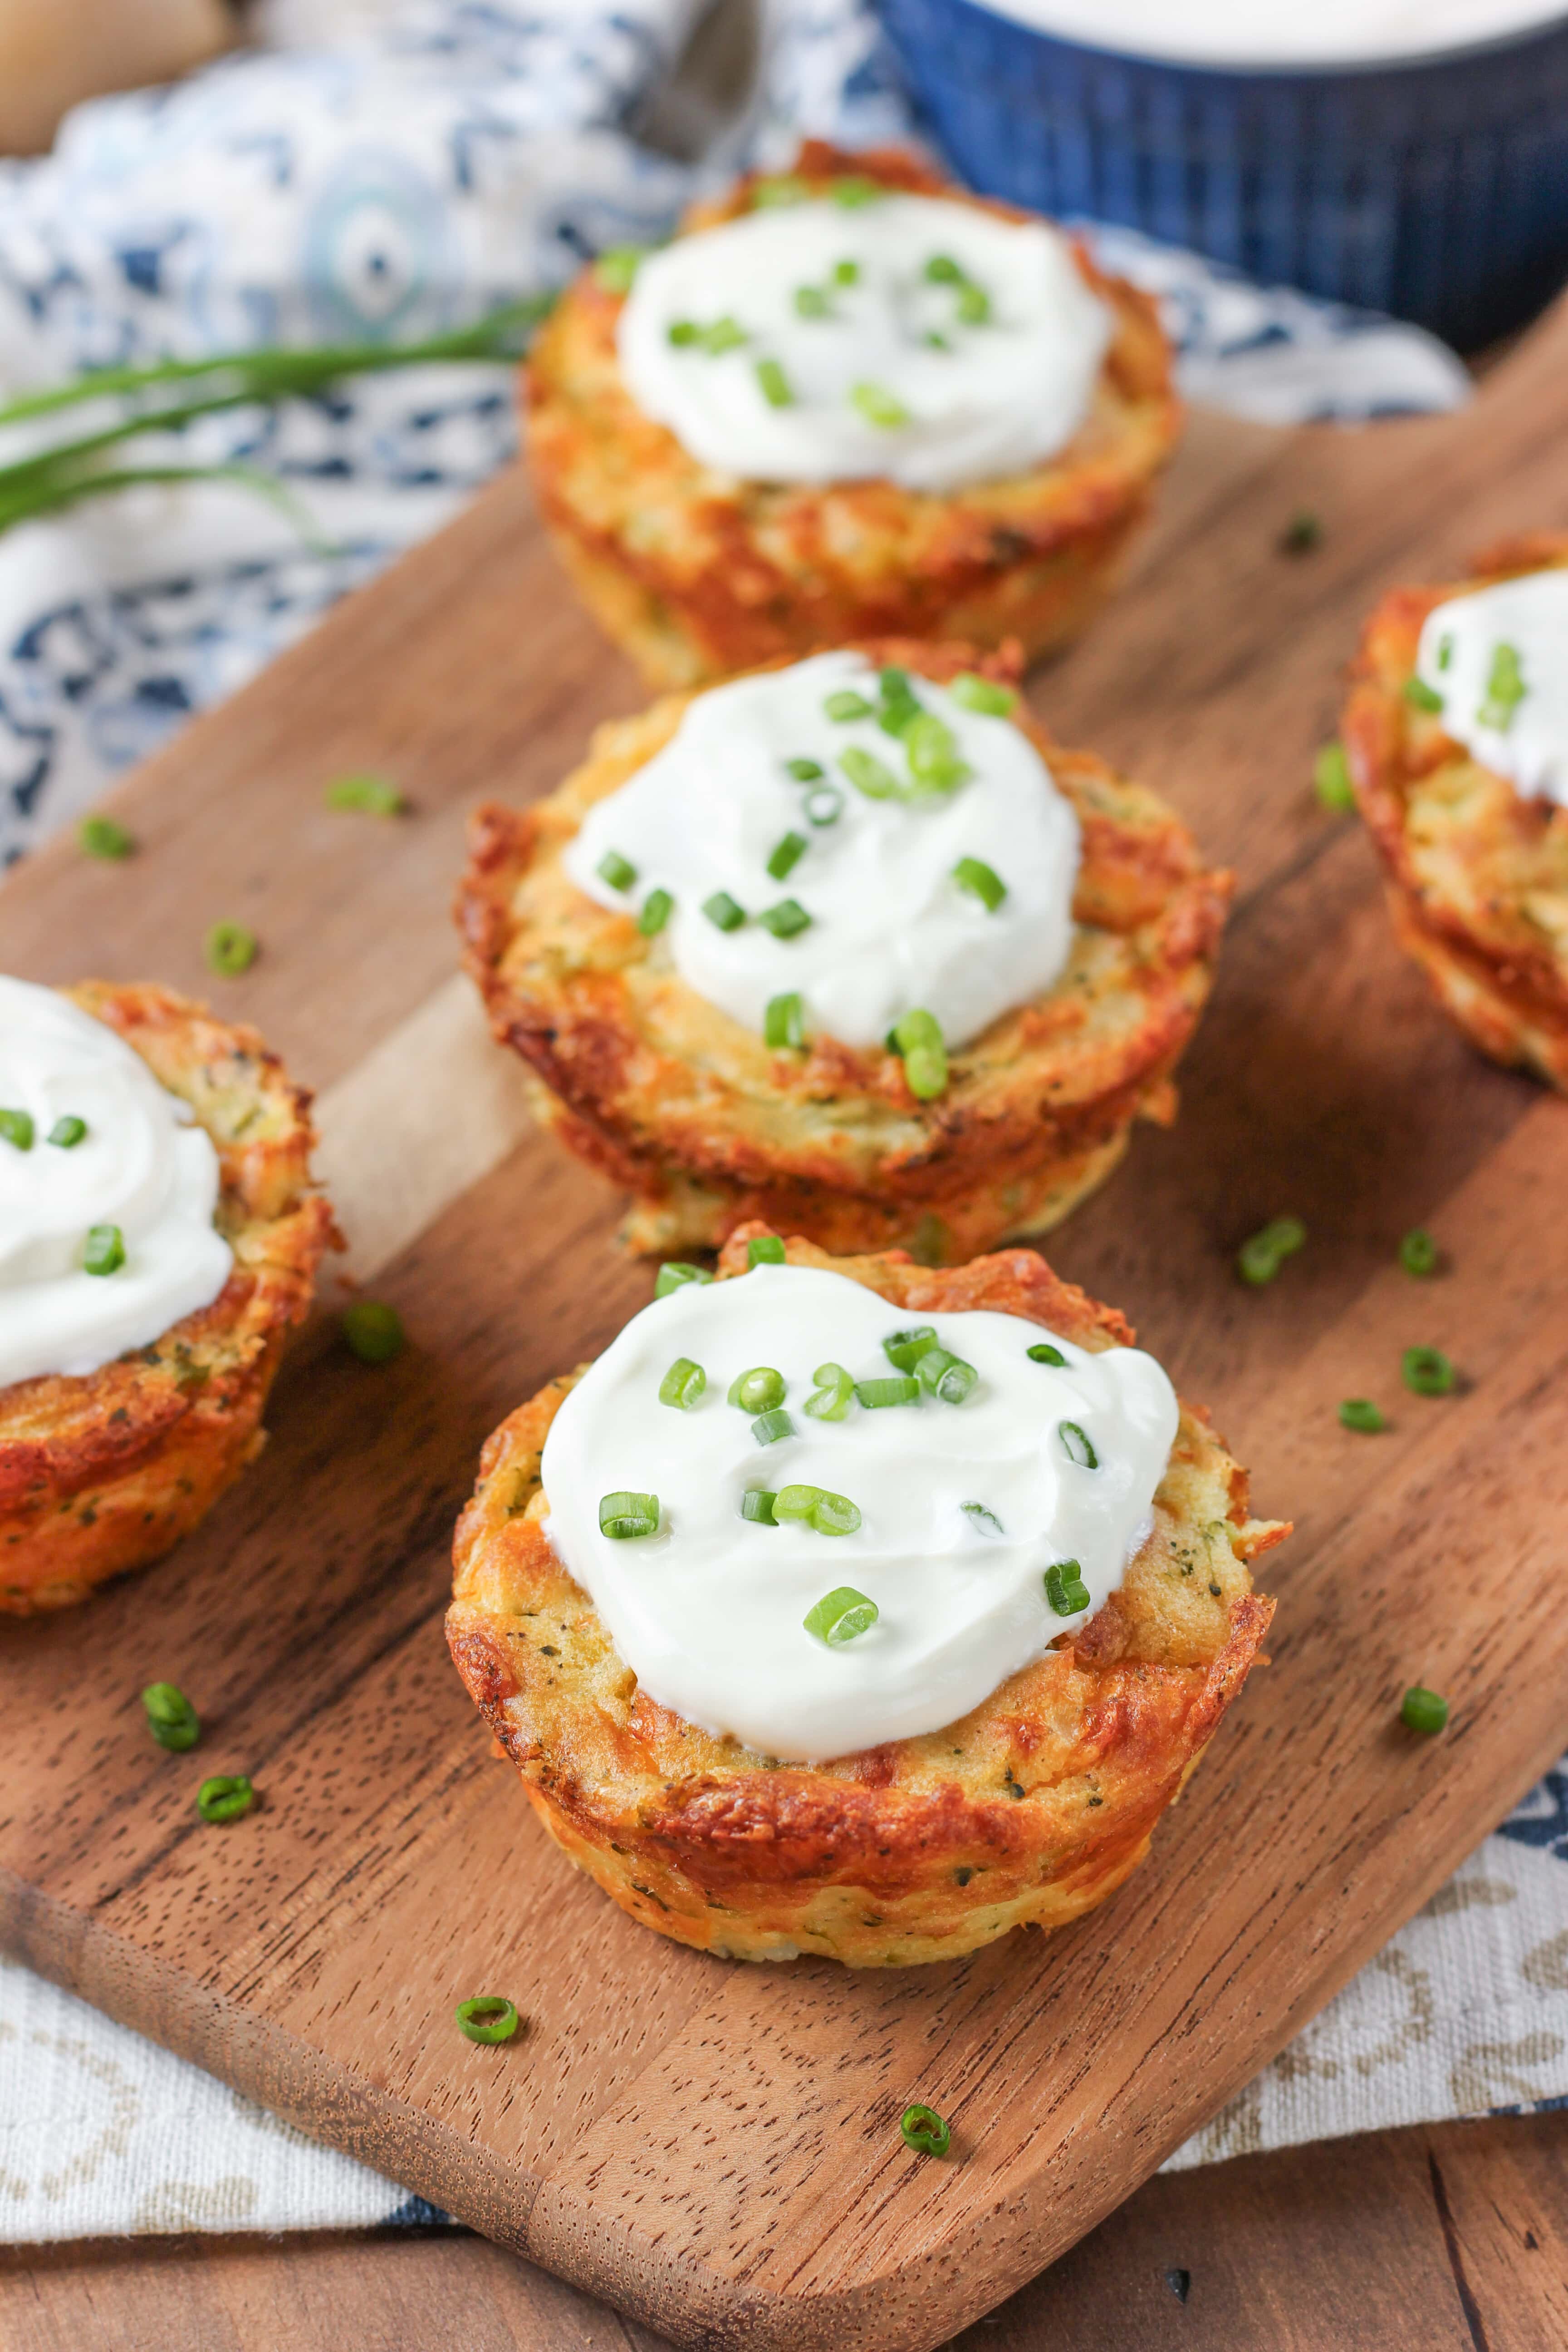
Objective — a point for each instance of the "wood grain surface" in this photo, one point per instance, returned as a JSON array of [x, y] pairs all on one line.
[[714, 2148]]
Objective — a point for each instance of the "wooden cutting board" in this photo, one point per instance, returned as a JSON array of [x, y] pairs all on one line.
[[711, 2146]]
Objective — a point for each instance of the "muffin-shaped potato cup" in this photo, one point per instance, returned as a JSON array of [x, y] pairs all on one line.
[[1028, 1811], [105, 1471], [708, 1126], [1477, 872], [697, 573]]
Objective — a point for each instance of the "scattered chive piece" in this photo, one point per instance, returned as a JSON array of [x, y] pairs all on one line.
[[723, 335], [487, 2018], [974, 305], [757, 1390], [764, 1249], [657, 909], [982, 694], [67, 1132], [757, 1505], [1423, 1710], [874, 1394], [816, 1507], [682, 1384], [879, 407], [171, 1718], [623, 1516], [935, 342], [805, 771], [373, 1329], [829, 1400], [945, 1376], [1065, 1588], [224, 1797], [786, 920], [231, 948], [981, 881], [899, 704], [371, 795], [1422, 696], [105, 1250], [924, 2131], [986, 1521], [824, 805], [934, 762], [847, 273], [786, 855], [1361, 1414], [16, 1128], [724, 911], [1301, 534], [779, 188], [845, 704], [919, 1039], [684, 332], [617, 265], [674, 1274], [1332, 777], [1506, 691], [840, 1615], [769, 1427], [812, 303], [942, 271], [853, 191], [1428, 1371], [784, 1024], [1046, 1354], [1076, 1446], [868, 774], [1444, 649], [617, 871], [1417, 1251], [1259, 1259], [773, 384], [904, 1349], [100, 837]]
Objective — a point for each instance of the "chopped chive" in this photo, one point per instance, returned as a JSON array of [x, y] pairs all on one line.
[[618, 264], [942, 271], [684, 334], [764, 1249], [916, 1027], [853, 191], [874, 1394], [1065, 1588], [617, 871], [674, 1274], [682, 1384], [1077, 1446], [657, 909], [899, 705], [487, 2017], [1506, 690], [984, 695], [1428, 1371], [805, 771], [779, 188], [919, 1039], [945, 1376], [757, 1505], [769, 1427], [1301, 534], [847, 273], [171, 1718], [829, 1400], [369, 796], [1417, 1251], [783, 1022], [786, 920], [905, 1349], [104, 1252], [723, 335], [16, 1128], [1260, 1257], [824, 805], [813, 302], [840, 1615], [724, 911], [1423, 1710], [373, 1329], [924, 2130], [1444, 649], [1332, 777], [985, 1523], [934, 761], [818, 1506], [757, 1390], [974, 305], [224, 1797], [845, 704], [66, 1133], [981, 881], [934, 340], [623, 1516], [1046, 1354], [1361, 1414], [100, 837], [879, 407], [1422, 696], [773, 384], [786, 855], [868, 774], [230, 948]]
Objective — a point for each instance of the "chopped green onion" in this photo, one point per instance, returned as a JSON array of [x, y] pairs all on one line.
[[674, 1274], [868, 774], [813, 302], [919, 1039], [877, 406], [617, 265], [1046, 1354], [100, 837], [981, 881], [845, 704], [16, 1128], [785, 920], [817, 1506], [945, 1376], [623, 1516], [368, 795], [905, 1349], [847, 273], [657, 909], [1332, 777], [829, 1400], [779, 188], [684, 334], [840, 1615], [723, 335], [1076, 1446], [982, 694], [487, 2018], [932, 749], [1423, 1710], [1361, 1414], [617, 871], [783, 1022], [853, 191], [757, 1390], [373, 1329], [1444, 649], [224, 1797], [805, 771], [899, 705], [1428, 1371], [66, 1133], [974, 305], [104, 1252], [824, 805], [1301, 534], [1506, 690], [230, 948], [936, 341], [764, 1249], [723, 910], [171, 1718], [774, 384], [942, 271], [786, 855], [924, 2131], [682, 1384], [1065, 1588], [769, 1427], [874, 1394], [1422, 696], [916, 1027], [757, 1505], [1259, 1258], [1417, 1251], [986, 1522]]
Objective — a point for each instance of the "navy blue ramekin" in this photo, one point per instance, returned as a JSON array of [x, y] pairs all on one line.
[[1436, 188]]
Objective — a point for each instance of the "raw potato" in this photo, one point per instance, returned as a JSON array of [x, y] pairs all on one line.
[[54, 53]]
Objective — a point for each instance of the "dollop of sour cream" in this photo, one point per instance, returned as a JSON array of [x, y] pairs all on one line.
[[140, 1166], [710, 1610], [906, 337], [1498, 658], [890, 928]]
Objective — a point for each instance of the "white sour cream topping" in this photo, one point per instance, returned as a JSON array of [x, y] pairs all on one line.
[[709, 1612], [994, 398], [1499, 657], [890, 929], [143, 1165], [1267, 33]]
